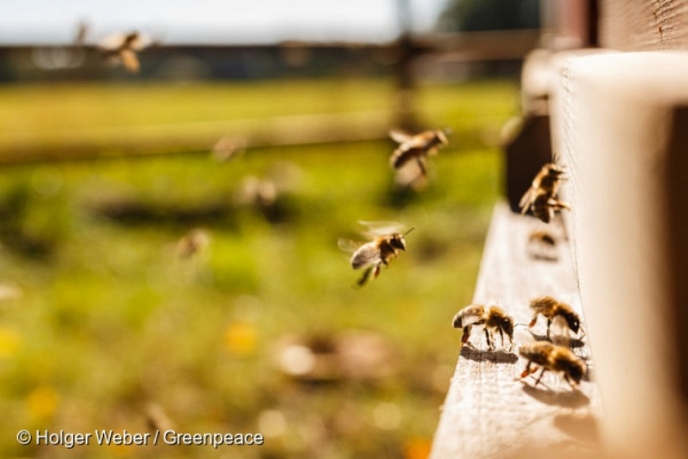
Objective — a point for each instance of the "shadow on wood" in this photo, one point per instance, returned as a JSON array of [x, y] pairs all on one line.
[[583, 428], [567, 398], [472, 353]]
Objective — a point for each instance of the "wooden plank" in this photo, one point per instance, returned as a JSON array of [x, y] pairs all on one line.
[[488, 413], [637, 25]]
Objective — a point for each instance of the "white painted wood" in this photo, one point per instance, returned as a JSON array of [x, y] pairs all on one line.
[[613, 115]]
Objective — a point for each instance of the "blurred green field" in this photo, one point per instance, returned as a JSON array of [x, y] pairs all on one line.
[[104, 318]]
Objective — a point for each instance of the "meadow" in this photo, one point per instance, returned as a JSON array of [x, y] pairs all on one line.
[[104, 325]]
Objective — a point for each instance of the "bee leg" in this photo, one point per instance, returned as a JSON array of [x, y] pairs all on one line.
[[489, 341], [466, 334], [501, 336], [533, 321], [540, 377], [549, 322], [573, 385], [421, 166], [582, 333], [376, 270], [364, 278], [527, 370]]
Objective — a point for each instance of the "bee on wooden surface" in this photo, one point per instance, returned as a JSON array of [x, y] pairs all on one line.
[[542, 245], [386, 244], [550, 357], [416, 147], [493, 319], [122, 49], [553, 309], [542, 198]]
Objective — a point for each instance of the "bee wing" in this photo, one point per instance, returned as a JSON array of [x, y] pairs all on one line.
[[400, 136], [411, 174], [559, 332], [366, 255], [347, 245], [380, 228], [129, 60], [527, 199], [141, 41], [402, 155], [470, 319], [111, 42]]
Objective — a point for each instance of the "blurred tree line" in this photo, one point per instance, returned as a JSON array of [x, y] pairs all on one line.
[[475, 15]]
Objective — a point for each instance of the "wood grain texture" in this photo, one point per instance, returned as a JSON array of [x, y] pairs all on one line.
[[488, 413], [637, 25]]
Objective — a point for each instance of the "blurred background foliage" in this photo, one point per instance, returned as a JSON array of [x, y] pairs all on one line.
[[199, 285], [475, 15], [103, 316]]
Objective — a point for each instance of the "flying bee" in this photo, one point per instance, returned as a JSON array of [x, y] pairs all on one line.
[[81, 33], [122, 49], [194, 242], [553, 309], [370, 256], [549, 179], [550, 357], [416, 147], [545, 205], [542, 198], [492, 318]]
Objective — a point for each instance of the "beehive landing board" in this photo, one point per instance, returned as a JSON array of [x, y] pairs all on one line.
[[488, 412]]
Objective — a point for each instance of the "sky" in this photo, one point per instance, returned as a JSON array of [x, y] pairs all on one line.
[[211, 21]]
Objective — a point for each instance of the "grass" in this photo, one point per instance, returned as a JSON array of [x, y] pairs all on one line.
[[111, 320]]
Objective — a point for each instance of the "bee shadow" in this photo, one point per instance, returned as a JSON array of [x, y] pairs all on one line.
[[567, 399], [583, 428], [471, 353], [541, 256], [573, 343]]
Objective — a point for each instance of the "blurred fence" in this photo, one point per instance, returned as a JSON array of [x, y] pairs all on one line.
[[446, 57]]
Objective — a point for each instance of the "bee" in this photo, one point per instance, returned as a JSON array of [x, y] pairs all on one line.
[[157, 418], [492, 318], [410, 175], [385, 246], [81, 33], [548, 179], [194, 242], [228, 148], [553, 309], [122, 49], [545, 205], [416, 147], [550, 357], [256, 191], [542, 198]]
